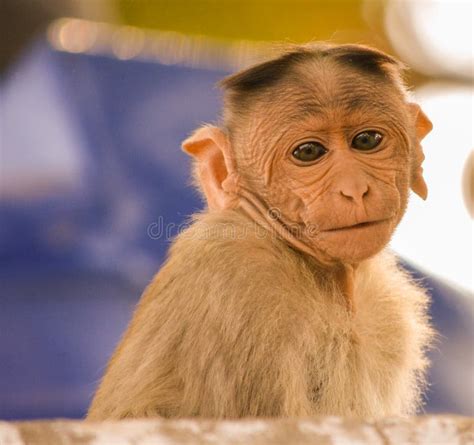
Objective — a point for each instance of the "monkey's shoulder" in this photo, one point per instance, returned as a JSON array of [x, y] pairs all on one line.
[[391, 311], [229, 237], [224, 256], [384, 282]]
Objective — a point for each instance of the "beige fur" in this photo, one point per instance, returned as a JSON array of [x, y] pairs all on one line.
[[238, 323], [280, 300]]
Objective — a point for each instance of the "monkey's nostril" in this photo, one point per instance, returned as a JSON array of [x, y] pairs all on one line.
[[347, 194], [355, 194]]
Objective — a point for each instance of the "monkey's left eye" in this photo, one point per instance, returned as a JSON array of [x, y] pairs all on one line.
[[367, 140], [309, 151]]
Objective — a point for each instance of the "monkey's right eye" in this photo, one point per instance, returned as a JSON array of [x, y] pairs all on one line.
[[309, 151]]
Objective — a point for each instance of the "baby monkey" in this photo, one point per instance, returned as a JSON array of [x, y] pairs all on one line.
[[281, 299]]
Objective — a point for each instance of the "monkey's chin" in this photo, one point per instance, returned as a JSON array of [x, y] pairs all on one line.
[[356, 243]]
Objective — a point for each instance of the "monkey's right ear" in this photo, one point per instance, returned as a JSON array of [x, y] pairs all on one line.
[[422, 127], [210, 147]]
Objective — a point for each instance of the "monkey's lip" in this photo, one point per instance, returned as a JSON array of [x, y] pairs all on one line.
[[362, 225]]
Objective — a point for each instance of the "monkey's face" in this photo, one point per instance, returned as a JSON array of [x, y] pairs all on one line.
[[333, 165], [344, 188], [325, 154]]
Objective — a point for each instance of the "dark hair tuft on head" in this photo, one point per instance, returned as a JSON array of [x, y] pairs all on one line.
[[244, 86], [265, 74], [365, 59]]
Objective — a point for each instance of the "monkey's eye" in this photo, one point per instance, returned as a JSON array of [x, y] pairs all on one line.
[[367, 140], [309, 151]]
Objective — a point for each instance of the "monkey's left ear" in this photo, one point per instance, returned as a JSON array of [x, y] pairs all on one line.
[[210, 147], [422, 127]]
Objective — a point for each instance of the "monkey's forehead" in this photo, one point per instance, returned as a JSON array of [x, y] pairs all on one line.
[[315, 58], [316, 88], [345, 101]]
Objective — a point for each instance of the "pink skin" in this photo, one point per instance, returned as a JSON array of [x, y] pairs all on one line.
[[342, 208]]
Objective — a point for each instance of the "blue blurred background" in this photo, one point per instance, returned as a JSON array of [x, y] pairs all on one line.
[[95, 99]]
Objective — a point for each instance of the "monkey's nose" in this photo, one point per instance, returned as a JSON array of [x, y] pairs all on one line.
[[355, 192]]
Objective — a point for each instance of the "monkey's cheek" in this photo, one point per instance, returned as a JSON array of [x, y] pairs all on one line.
[[354, 245]]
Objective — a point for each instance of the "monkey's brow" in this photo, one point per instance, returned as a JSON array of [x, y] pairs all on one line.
[[361, 103], [309, 108], [305, 108]]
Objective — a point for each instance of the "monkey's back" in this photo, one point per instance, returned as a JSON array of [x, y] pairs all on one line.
[[237, 323]]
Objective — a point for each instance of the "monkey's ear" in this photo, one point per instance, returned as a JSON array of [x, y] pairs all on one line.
[[422, 127], [210, 147]]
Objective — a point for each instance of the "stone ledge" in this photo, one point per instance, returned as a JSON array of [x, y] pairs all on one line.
[[423, 430]]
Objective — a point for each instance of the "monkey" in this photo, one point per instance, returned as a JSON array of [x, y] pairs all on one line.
[[281, 298]]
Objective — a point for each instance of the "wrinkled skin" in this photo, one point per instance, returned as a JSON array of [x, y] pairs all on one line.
[[313, 321], [344, 207]]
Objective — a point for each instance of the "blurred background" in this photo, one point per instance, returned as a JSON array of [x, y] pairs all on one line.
[[95, 99]]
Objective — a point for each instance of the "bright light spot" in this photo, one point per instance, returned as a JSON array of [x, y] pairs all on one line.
[[437, 234], [434, 36], [127, 42], [73, 35], [166, 47]]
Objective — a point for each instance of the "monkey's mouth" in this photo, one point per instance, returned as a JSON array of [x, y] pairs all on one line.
[[362, 225]]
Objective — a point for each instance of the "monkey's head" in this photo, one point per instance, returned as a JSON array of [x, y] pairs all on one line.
[[319, 144]]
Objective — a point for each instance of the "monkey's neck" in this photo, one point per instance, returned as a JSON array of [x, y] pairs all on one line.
[[345, 277], [271, 219], [259, 212]]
